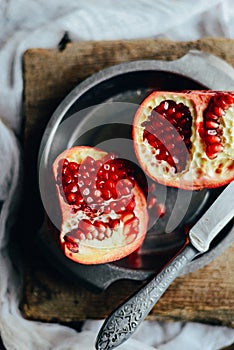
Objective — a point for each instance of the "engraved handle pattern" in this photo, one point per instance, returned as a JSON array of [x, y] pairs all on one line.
[[123, 322]]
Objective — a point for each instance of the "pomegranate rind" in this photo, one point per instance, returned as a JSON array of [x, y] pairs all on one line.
[[200, 171], [95, 251]]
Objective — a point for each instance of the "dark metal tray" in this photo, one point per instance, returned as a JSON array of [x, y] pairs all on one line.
[[99, 112]]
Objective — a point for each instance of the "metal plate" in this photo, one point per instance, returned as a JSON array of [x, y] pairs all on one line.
[[99, 112]]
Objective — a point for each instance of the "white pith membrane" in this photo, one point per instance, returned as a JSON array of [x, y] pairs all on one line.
[[200, 170], [228, 131], [117, 242]]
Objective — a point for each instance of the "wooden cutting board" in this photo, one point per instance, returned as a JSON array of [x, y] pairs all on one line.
[[206, 295]]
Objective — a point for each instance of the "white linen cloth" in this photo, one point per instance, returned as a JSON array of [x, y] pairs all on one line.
[[25, 24]]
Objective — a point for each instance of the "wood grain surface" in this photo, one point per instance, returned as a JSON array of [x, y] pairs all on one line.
[[206, 295]]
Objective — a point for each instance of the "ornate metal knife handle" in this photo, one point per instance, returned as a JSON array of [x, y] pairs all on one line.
[[124, 321]]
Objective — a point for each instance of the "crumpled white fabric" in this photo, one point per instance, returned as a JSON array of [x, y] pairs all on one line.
[[26, 24]]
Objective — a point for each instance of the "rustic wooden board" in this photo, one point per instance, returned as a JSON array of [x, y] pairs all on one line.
[[206, 295]]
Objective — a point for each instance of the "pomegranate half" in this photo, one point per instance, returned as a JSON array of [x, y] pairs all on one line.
[[186, 139], [104, 216]]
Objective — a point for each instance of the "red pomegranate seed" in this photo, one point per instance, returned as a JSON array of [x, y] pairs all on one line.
[[80, 235], [151, 188], [210, 124], [71, 244], [160, 210], [113, 176], [106, 175], [121, 204], [84, 224], [229, 99], [219, 100], [134, 259], [131, 226], [131, 205], [110, 184], [113, 168], [71, 189], [71, 198], [101, 236], [134, 223], [108, 232], [79, 200], [217, 111], [213, 149], [101, 226], [213, 139], [67, 179], [72, 166], [95, 233], [114, 224], [211, 116], [89, 235], [65, 171], [124, 187], [127, 216], [152, 201], [100, 184], [106, 194]]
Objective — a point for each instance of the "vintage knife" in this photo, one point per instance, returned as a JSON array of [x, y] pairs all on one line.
[[124, 321]]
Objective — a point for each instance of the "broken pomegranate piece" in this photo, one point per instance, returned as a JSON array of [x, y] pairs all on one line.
[[186, 139], [104, 215]]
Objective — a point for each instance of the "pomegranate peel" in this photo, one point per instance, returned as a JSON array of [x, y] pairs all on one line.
[[99, 221], [186, 139]]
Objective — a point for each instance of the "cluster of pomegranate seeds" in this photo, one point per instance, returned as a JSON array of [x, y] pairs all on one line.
[[99, 187], [167, 127], [88, 230], [212, 121]]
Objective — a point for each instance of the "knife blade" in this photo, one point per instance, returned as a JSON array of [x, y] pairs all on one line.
[[212, 222], [126, 318]]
